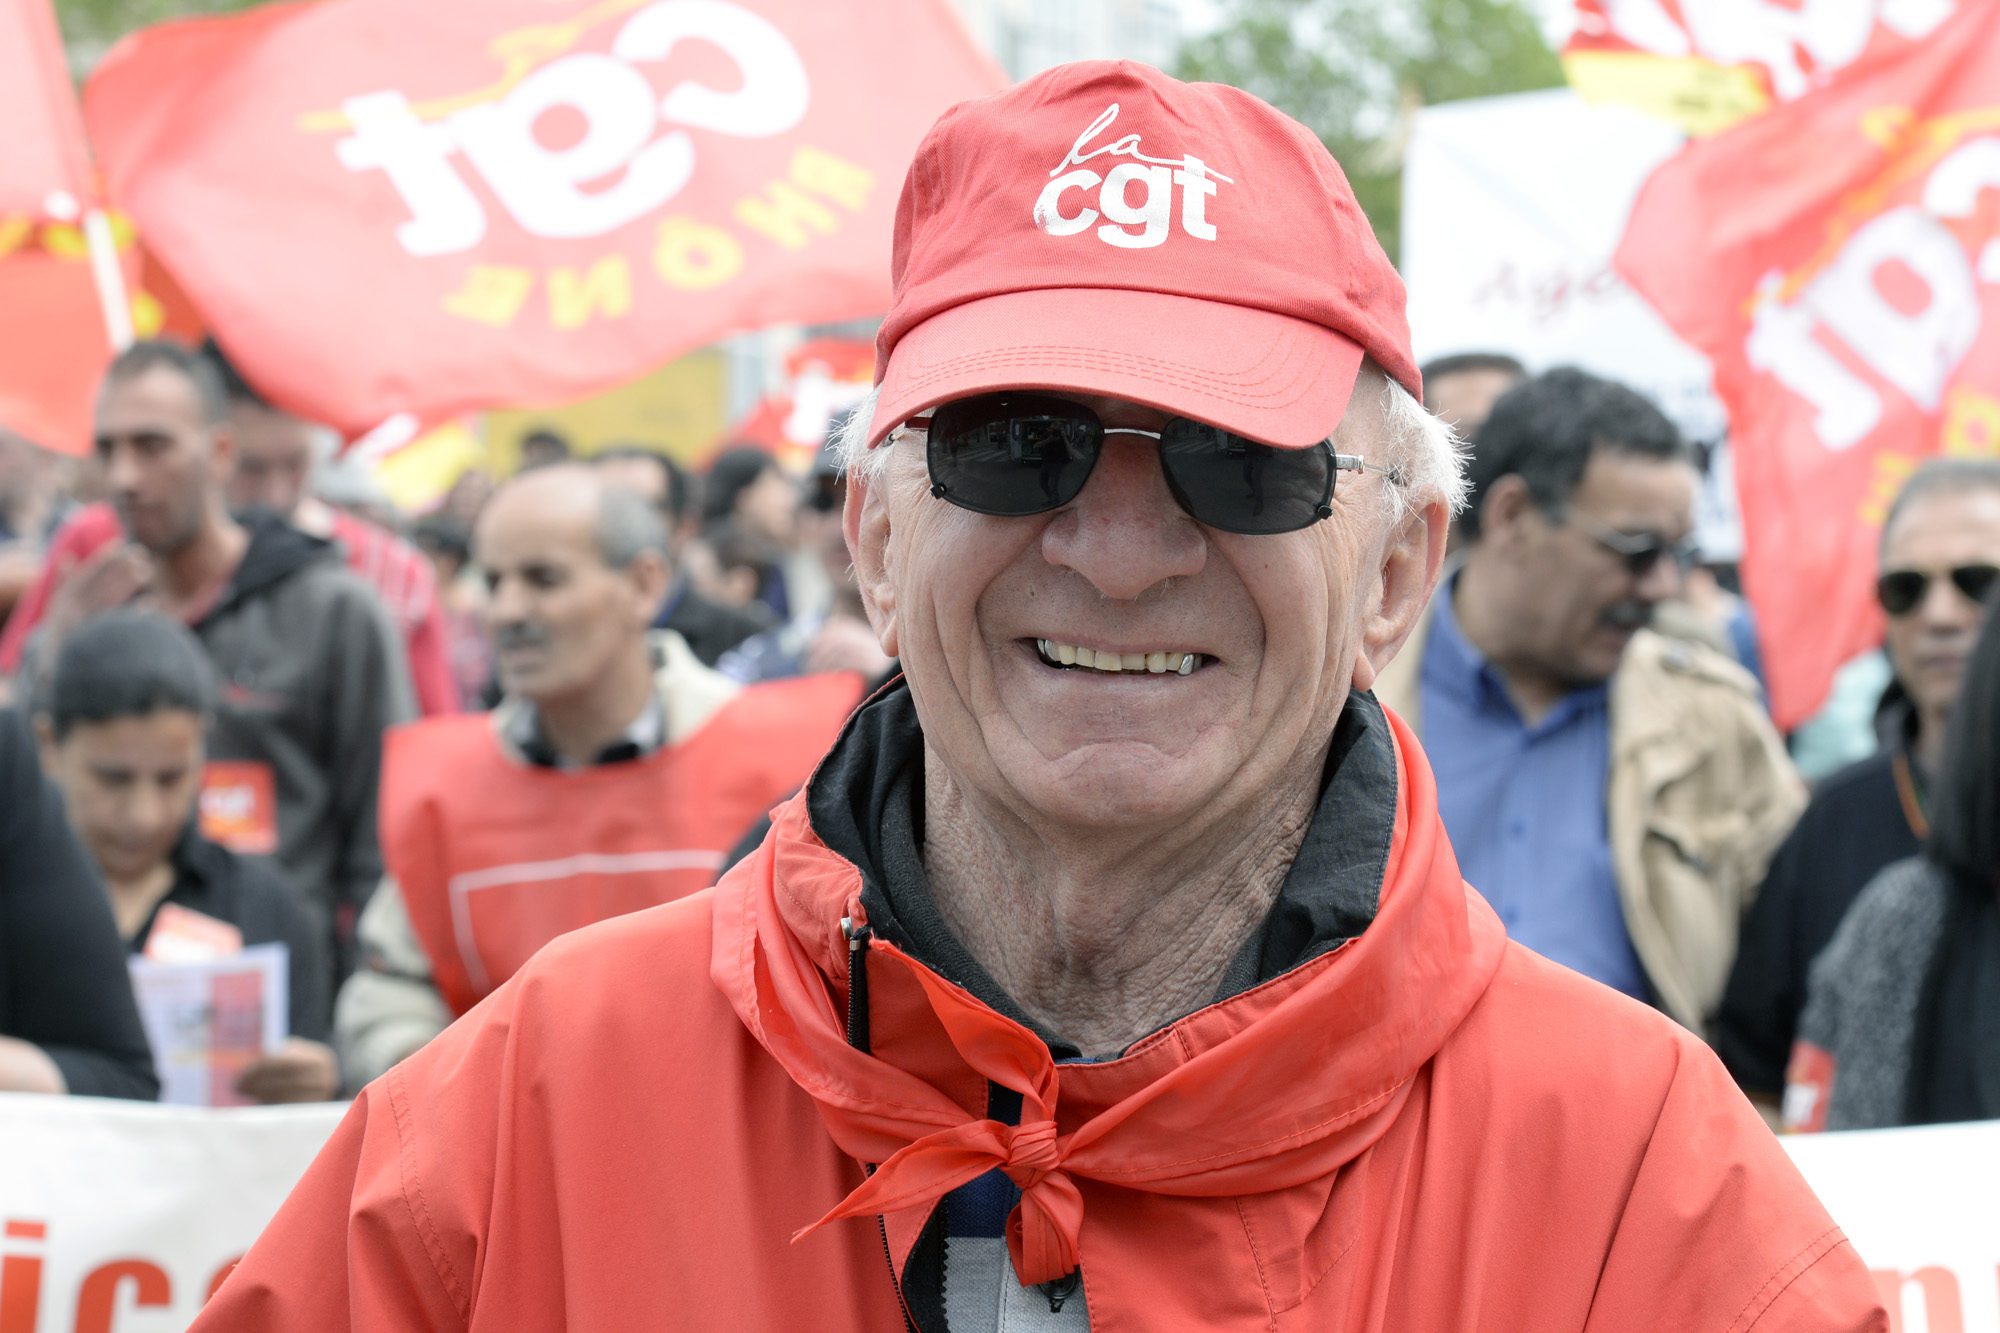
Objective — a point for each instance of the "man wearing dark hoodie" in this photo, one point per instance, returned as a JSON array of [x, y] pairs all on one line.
[[311, 667]]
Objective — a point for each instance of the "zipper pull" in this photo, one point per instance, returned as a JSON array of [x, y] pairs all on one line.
[[857, 981]]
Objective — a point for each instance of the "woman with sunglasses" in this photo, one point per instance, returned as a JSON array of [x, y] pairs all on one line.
[[1902, 1019]]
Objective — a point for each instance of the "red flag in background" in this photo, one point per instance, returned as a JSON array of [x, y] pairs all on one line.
[[823, 378], [385, 207], [1839, 259], [53, 324], [1789, 46], [44, 165], [1707, 64]]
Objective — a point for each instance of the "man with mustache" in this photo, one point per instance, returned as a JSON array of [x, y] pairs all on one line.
[[615, 775], [1614, 794]]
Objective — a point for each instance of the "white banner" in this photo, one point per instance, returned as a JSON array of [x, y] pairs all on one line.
[[1512, 208], [1920, 1205], [120, 1217]]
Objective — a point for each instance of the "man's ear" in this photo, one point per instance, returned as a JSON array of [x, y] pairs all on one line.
[[864, 521], [1410, 568], [650, 577], [1502, 510]]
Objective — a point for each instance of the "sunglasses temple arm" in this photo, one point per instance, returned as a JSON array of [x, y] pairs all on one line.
[[1356, 463]]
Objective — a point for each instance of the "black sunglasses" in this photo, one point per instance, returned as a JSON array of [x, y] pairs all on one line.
[[1015, 454], [1641, 551], [1902, 591]]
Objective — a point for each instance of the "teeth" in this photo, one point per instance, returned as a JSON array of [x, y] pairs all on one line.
[[1153, 663]]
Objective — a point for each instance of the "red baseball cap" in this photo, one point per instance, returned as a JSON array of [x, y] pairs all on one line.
[[1105, 229]]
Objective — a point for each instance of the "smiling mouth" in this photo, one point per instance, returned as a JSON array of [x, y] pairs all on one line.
[[1074, 657]]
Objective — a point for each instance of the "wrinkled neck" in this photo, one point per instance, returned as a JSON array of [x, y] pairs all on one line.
[[1105, 938]]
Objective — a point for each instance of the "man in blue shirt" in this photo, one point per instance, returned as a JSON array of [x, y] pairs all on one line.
[[1614, 794]]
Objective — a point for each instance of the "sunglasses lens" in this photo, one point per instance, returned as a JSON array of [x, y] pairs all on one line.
[[1239, 485], [1900, 590], [1975, 581], [1012, 454]]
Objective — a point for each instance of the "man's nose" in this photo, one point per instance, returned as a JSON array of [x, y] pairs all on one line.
[[506, 604], [1662, 581], [1126, 533], [1945, 607], [147, 807], [122, 470]]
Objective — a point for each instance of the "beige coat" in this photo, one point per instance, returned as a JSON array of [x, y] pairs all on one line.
[[1701, 793]]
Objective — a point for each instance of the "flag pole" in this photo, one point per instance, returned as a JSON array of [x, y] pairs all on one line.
[[112, 298]]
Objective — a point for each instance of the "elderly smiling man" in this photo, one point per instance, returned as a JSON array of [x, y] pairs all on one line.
[[1113, 971]]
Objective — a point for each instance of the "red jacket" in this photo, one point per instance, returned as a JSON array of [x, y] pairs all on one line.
[[1424, 1129], [399, 573]]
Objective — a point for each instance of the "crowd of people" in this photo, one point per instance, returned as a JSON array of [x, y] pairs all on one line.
[[416, 757], [270, 711]]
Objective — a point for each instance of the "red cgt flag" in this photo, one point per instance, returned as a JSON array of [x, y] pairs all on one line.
[[1788, 47], [44, 166], [387, 207], [1839, 259]]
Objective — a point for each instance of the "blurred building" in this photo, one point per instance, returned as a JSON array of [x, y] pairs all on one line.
[[1028, 36]]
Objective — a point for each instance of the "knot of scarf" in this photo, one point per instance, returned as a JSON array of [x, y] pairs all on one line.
[[1044, 1229]]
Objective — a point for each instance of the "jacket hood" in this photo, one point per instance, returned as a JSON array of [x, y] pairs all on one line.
[[1276, 1085], [277, 550]]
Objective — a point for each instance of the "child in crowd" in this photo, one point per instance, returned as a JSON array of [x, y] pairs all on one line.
[[121, 728]]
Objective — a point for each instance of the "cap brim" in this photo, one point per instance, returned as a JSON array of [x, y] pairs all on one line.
[[1273, 378]]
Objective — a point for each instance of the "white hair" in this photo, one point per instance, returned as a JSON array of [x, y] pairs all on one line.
[[1428, 456], [1426, 453]]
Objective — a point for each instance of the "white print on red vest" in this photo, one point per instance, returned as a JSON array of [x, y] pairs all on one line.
[[1798, 41], [1916, 342], [1153, 215], [542, 188]]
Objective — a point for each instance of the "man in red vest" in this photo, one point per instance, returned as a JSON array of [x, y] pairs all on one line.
[[616, 775]]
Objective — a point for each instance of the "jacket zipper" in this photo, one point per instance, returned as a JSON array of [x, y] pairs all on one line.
[[857, 1037], [889, 1257]]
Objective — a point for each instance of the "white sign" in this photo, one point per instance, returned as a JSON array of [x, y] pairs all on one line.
[[1919, 1206], [1512, 207], [121, 1217]]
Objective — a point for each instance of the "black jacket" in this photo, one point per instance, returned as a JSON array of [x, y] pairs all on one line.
[[63, 983], [312, 674], [1854, 827], [710, 628]]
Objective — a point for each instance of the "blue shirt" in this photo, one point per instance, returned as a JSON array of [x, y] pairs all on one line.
[[1524, 806]]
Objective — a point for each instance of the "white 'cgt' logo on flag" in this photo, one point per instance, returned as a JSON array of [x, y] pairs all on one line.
[[1152, 215]]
